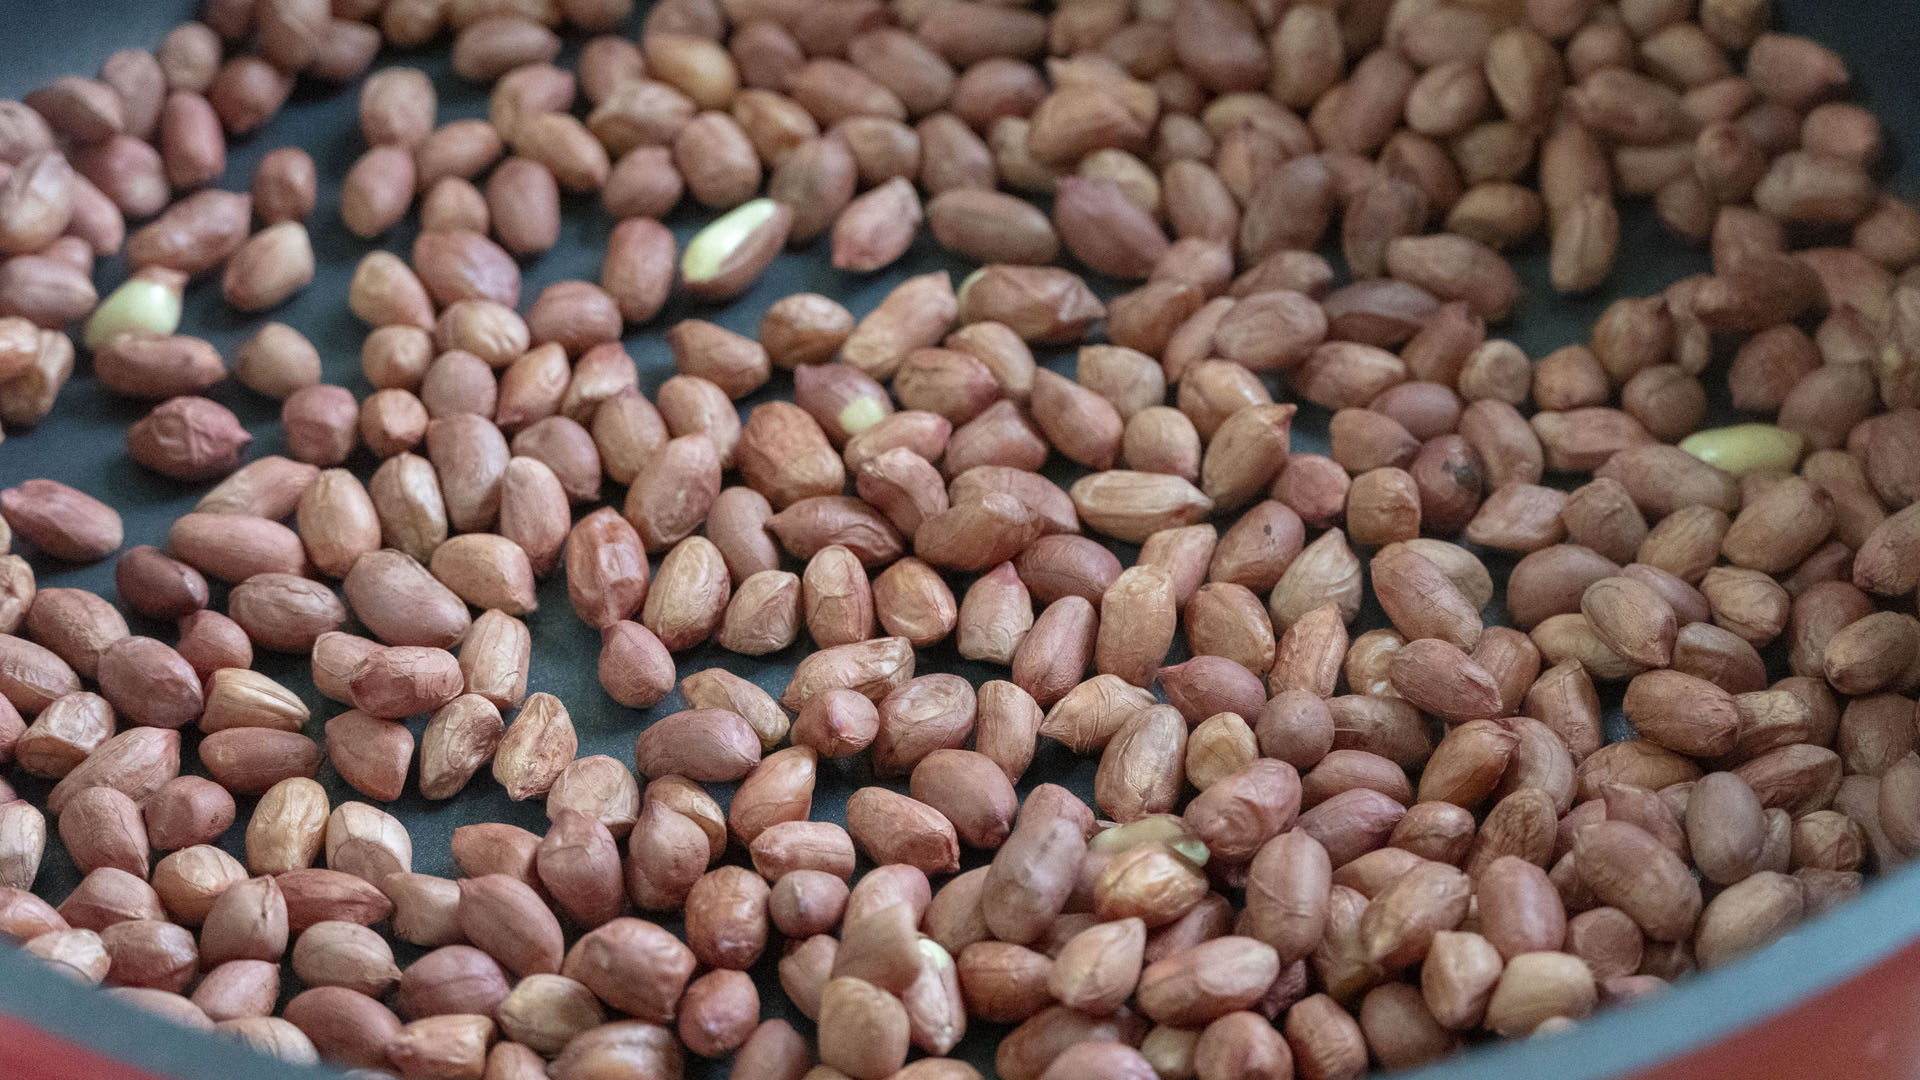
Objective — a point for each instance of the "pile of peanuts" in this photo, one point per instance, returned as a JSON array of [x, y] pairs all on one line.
[[1308, 851]]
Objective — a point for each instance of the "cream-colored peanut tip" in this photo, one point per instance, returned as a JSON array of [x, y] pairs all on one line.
[[140, 306], [711, 247], [1745, 447], [860, 414], [935, 952], [966, 283], [1152, 830]]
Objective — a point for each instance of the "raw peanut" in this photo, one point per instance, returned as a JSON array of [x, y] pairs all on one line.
[[878, 946], [1199, 985], [916, 314], [904, 487], [1091, 712], [1749, 914], [247, 922], [75, 625], [1247, 807], [268, 488], [1057, 565], [188, 438], [1004, 983], [1455, 268], [837, 722], [667, 855], [64, 735], [579, 864], [892, 828], [729, 254], [1324, 567], [370, 753], [876, 228], [451, 979], [1520, 911], [729, 921], [237, 697], [46, 291], [494, 657], [780, 789], [1140, 767], [239, 989], [995, 616], [1421, 600], [344, 1025], [716, 688], [736, 364], [186, 811], [276, 361], [698, 743], [1096, 221], [599, 787], [1220, 746], [284, 612], [150, 683], [913, 602], [107, 896], [1209, 685], [268, 268], [633, 965], [576, 315], [28, 916], [1538, 986], [1725, 827], [1459, 977], [949, 382], [149, 953], [462, 736], [976, 534], [1630, 870], [1247, 450], [864, 1029], [1868, 654], [1443, 680], [287, 826], [1399, 925], [922, 715], [1131, 506], [718, 1013], [1137, 625], [784, 455], [23, 836], [536, 747], [17, 591], [333, 953], [627, 430], [991, 227], [606, 569], [635, 669], [690, 405], [1149, 881], [236, 548], [61, 521], [507, 919], [323, 423], [689, 596], [486, 571], [1682, 713], [248, 760]]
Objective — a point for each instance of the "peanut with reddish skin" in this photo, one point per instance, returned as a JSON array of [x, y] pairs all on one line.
[[1668, 572]]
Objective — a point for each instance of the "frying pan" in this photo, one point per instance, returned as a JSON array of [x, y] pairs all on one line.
[[1834, 999]]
